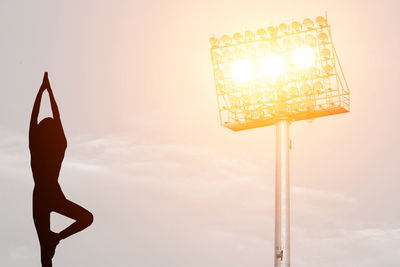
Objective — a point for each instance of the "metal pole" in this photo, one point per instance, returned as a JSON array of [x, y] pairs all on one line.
[[282, 195]]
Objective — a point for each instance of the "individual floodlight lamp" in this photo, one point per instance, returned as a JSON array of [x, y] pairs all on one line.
[[275, 76]]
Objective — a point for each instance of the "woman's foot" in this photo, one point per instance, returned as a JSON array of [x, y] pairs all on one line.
[[53, 242]]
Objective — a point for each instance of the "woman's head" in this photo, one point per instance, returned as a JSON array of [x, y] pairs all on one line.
[[47, 127]]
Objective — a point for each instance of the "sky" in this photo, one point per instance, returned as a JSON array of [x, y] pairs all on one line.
[[168, 186]]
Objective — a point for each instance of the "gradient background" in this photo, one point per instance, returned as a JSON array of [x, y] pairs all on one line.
[[167, 184]]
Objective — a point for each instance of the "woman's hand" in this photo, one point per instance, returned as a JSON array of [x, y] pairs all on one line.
[[45, 83]]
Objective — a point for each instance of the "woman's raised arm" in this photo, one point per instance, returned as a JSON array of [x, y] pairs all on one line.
[[36, 106], [54, 107]]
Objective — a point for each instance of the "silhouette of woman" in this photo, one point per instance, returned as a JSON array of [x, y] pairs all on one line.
[[47, 144]]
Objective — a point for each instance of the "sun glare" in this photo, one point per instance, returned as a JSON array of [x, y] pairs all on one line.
[[304, 57], [273, 66], [242, 71]]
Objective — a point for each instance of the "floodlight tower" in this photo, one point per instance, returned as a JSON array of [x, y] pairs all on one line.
[[276, 76]]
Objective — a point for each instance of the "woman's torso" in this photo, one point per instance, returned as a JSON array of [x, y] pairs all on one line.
[[47, 154]]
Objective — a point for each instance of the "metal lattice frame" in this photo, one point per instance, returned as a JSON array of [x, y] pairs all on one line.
[[298, 94]]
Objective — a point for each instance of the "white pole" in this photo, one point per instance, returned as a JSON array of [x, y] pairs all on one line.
[[282, 195]]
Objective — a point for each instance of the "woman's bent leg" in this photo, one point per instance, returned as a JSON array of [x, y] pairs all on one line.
[[82, 216]]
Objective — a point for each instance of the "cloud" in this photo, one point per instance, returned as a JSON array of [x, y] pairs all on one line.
[[170, 200], [318, 195], [367, 247], [177, 161], [14, 154]]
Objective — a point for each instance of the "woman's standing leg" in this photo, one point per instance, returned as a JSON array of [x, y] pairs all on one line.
[[48, 240]]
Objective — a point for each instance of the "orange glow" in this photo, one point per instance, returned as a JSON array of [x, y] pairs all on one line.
[[304, 57], [242, 71], [273, 66]]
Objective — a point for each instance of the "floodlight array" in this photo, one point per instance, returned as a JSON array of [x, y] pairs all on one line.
[[285, 71]]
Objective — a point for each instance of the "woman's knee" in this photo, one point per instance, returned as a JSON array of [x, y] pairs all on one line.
[[88, 219]]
